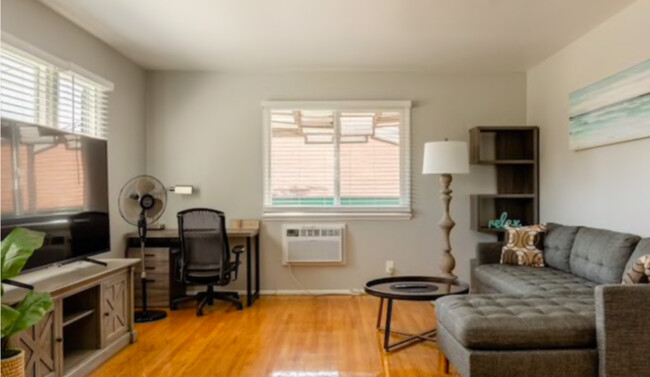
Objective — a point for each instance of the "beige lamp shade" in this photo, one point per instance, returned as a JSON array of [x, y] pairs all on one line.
[[445, 157]]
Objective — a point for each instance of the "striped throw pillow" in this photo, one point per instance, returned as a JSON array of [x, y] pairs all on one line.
[[639, 273]]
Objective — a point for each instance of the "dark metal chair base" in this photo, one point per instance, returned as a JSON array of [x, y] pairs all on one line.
[[207, 298], [428, 336], [143, 316]]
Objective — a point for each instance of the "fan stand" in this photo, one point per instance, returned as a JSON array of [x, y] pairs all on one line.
[[145, 315]]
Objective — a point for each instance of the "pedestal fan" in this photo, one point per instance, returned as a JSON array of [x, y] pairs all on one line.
[[142, 201]]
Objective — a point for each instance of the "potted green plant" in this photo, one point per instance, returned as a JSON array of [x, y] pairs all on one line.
[[17, 247]]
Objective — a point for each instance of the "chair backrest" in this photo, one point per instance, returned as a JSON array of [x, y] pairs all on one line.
[[204, 242]]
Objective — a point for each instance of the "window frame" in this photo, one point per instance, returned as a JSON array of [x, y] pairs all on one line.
[[52, 73], [403, 211]]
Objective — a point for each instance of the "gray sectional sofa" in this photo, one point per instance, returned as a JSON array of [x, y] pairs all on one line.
[[571, 318]]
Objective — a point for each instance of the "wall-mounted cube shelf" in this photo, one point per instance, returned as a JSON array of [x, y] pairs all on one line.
[[514, 152]]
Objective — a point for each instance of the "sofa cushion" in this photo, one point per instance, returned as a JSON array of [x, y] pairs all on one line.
[[521, 279], [557, 245], [641, 249], [519, 322], [601, 255]]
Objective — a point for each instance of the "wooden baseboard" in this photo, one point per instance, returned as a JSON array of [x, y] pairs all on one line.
[[290, 292], [309, 292]]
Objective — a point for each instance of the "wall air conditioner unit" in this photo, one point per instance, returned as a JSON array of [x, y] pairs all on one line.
[[313, 244]]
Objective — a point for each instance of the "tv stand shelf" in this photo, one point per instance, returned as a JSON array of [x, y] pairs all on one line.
[[74, 317], [74, 358], [91, 321]]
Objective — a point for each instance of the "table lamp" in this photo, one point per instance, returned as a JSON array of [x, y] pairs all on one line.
[[446, 158]]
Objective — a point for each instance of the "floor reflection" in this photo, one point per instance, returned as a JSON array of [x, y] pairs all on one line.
[[309, 373], [280, 336]]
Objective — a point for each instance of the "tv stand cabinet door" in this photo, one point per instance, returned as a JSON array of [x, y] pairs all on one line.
[[114, 299], [43, 345]]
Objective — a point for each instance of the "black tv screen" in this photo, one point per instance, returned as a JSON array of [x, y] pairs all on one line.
[[55, 182]]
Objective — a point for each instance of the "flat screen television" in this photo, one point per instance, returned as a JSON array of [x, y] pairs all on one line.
[[55, 182]]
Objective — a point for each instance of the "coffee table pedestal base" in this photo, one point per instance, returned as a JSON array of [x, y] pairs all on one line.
[[411, 339]]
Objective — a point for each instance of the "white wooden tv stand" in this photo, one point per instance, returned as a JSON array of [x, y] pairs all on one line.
[[91, 321]]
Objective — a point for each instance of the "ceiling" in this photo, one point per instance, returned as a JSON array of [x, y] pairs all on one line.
[[376, 35]]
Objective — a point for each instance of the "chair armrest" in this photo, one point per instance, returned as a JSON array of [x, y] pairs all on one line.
[[622, 319], [488, 252], [237, 250]]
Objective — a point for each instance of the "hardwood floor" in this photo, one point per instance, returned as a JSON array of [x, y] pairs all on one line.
[[280, 336]]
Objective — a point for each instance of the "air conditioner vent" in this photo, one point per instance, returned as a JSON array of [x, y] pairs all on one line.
[[306, 244]]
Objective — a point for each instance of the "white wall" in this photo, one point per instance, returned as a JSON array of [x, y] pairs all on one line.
[[36, 24], [205, 129], [607, 186]]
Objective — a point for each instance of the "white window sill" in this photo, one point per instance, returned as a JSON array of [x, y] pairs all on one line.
[[302, 216]]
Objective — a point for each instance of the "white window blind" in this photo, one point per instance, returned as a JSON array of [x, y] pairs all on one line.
[[337, 157], [36, 91]]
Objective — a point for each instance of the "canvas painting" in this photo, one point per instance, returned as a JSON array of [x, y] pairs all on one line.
[[612, 110]]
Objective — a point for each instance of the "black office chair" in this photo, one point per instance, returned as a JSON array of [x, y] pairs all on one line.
[[205, 256]]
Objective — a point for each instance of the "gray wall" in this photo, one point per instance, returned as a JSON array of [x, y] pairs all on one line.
[[205, 129], [37, 25], [607, 186]]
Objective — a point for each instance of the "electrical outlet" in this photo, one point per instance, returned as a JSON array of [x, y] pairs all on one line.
[[390, 267]]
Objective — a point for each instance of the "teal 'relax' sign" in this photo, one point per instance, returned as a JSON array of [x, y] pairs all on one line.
[[503, 222]]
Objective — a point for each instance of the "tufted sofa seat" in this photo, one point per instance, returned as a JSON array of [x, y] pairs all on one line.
[[571, 318], [520, 322], [524, 280]]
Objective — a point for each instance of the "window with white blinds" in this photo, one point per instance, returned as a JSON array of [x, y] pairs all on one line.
[[36, 91], [337, 157]]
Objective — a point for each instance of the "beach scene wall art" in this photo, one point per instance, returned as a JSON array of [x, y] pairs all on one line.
[[612, 110]]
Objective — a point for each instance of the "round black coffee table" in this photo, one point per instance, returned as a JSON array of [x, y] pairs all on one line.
[[410, 288]]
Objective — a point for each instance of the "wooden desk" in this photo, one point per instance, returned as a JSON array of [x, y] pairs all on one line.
[[164, 289], [173, 233]]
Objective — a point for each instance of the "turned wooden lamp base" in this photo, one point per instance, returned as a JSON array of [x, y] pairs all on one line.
[[446, 263]]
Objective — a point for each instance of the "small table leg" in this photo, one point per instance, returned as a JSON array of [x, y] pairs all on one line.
[[389, 317], [379, 314], [443, 363]]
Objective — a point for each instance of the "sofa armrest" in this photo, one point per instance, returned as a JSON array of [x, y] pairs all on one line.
[[622, 319], [488, 253]]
